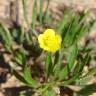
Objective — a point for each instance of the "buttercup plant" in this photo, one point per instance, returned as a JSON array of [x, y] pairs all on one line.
[[61, 63]]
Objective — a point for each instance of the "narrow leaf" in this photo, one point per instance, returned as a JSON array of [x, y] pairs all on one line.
[[41, 10], [19, 77], [73, 56], [28, 77], [49, 66], [70, 63], [34, 15], [19, 57], [7, 34], [49, 92], [63, 73]]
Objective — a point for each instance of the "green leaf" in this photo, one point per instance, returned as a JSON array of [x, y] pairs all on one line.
[[28, 38], [7, 34], [82, 30], [70, 63], [56, 58], [28, 77], [46, 17], [71, 32], [63, 73], [19, 77], [25, 11], [68, 33], [34, 15], [41, 10], [82, 16], [19, 57], [49, 92], [7, 38], [49, 66], [21, 34], [87, 90], [78, 70], [84, 80], [74, 30], [72, 79], [28, 35], [64, 21], [57, 66], [83, 62], [73, 56]]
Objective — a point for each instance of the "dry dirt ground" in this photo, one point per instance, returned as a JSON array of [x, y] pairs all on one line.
[[12, 10]]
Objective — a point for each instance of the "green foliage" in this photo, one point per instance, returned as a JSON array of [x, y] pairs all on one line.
[[25, 11], [73, 27], [34, 15], [70, 63], [19, 57], [41, 10], [28, 77], [86, 90], [6, 36], [49, 65], [19, 77], [49, 93]]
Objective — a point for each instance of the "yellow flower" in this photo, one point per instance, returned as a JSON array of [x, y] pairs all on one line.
[[50, 40]]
